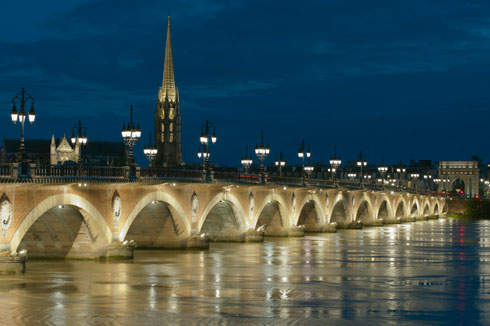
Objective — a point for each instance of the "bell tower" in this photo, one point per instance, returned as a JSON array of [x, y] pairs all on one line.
[[167, 114]]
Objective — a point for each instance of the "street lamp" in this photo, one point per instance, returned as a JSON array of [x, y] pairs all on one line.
[[246, 161], [351, 175], [203, 150], [304, 150], [361, 163], [130, 135], [382, 170], [22, 98], [150, 152], [427, 178], [335, 162], [81, 135], [262, 152], [414, 176], [280, 162]]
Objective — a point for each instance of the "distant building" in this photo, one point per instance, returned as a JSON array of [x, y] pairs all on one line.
[[167, 114], [461, 176], [52, 152]]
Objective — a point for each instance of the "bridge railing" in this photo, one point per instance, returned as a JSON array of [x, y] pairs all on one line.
[[11, 173], [225, 176], [46, 171], [170, 174]]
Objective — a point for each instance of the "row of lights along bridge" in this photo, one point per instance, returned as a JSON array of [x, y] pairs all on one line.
[[131, 133]]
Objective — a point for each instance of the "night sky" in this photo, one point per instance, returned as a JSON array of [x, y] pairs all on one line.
[[399, 79]]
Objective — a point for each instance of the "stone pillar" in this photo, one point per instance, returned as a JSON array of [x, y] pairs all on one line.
[[12, 263], [119, 251]]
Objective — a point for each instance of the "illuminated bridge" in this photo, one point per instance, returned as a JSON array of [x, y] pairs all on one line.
[[90, 213]]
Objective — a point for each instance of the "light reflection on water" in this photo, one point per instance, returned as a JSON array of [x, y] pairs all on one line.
[[431, 273]]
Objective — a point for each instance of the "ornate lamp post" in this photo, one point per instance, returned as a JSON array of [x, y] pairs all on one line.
[[415, 176], [150, 152], [203, 149], [400, 170], [81, 135], [130, 135], [246, 161], [361, 163], [22, 98], [304, 150], [262, 152], [382, 170], [351, 175], [427, 178], [335, 162], [280, 162]]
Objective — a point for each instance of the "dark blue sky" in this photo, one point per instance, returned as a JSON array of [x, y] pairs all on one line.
[[399, 79]]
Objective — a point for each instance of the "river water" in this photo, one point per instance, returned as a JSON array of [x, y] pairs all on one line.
[[424, 273]]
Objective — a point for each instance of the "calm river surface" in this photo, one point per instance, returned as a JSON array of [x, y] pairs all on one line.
[[424, 273]]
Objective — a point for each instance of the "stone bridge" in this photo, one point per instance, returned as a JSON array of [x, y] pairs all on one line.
[[89, 220]]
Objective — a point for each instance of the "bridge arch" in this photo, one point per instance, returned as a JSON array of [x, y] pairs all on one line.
[[401, 209], [69, 223], [364, 212], [384, 211], [311, 214], [414, 210], [426, 210], [340, 211], [273, 215], [223, 219], [155, 205]]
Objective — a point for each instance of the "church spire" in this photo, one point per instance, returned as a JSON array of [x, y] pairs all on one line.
[[168, 83]]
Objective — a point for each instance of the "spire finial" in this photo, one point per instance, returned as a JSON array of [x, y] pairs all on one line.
[[168, 83]]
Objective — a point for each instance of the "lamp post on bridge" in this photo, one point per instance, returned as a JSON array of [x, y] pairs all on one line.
[[130, 135], [150, 152], [335, 163], [262, 152], [246, 161], [304, 150], [203, 149], [361, 163], [280, 162], [382, 170], [81, 136], [414, 177], [399, 170], [22, 98], [427, 178]]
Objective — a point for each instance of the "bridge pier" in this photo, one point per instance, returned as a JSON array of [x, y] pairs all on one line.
[[352, 225], [393, 221], [406, 219], [119, 251], [12, 263], [378, 222]]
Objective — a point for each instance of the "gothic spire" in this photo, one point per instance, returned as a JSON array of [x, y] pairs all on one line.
[[168, 84]]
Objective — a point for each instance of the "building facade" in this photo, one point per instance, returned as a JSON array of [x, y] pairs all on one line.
[[167, 114]]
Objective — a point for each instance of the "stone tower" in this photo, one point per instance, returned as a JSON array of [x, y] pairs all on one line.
[[167, 114]]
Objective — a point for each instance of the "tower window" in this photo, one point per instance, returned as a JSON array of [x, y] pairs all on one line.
[[171, 137], [171, 127]]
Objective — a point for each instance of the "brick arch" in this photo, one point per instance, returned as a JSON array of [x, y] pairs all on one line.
[[368, 213], [240, 215], [389, 210], [94, 220], [320, 213], [283, 211], [342, 201], [174, 207], [413, 203], [401, 206]]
